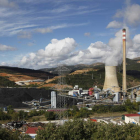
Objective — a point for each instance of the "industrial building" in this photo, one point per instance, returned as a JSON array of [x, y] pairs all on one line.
[[132, 118]]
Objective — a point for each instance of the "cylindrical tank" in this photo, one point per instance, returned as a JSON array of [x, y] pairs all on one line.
[[111, 81], [53, 99], [138, 99], [117, 97], [97, 96], [40, 100], [5, 109]]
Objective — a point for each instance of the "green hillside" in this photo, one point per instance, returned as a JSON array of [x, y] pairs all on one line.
[[84, 80], [5, 82], [73, 68], [92, 78], [132, 65]]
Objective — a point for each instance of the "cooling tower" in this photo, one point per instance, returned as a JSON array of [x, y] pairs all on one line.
[[111, 81]]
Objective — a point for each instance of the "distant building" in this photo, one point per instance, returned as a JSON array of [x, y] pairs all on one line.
[[132, 118], [32, 131]]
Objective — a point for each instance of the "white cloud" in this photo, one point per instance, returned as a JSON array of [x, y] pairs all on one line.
[[11, 22], [114, 24], [24, 34], [119, 14], [96, 52], [134, 50], [87, 34], [20, 19], [61, 9], [136, 39], [51, 28], [43, 30], [55, 52], [7, 3], [63, 51], [3, 64], [6, 48], [31, 44], [130, 14]]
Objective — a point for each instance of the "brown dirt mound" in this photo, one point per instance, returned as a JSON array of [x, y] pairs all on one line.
[[83, 71], [17, 77]]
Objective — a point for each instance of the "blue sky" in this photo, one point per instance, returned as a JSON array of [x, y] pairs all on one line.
[[45, 33]]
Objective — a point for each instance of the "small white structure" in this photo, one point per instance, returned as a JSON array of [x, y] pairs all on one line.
[[74, 92], [117, 97], [97, 96], [53, 99], [138, 98], [77, 92], [76, 87]]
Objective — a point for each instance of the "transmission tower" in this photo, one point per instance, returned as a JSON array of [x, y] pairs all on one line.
[[61, 98]]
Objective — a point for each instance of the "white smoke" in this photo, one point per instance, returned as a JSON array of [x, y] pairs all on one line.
[[131, 16], [115, 56]]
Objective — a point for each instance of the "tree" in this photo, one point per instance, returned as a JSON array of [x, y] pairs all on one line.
[[10, 109], [81, 130], [22, 115], [8, 135], [4, 116], [50, 115]]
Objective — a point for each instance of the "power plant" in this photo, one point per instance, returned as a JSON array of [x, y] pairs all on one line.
[[111, 81], [63, 98], [111, 91]]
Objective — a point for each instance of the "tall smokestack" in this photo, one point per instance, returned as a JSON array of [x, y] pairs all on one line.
[[111, 79], [124, 60]]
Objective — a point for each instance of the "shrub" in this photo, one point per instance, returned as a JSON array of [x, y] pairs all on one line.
[[50, 115]]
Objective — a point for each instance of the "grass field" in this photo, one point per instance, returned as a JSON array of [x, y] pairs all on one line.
[[36, 118], [109, 114]]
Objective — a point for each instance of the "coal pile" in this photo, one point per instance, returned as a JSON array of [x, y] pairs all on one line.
[[15, 96]]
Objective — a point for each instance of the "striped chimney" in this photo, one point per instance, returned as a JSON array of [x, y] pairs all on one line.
[[124, 59]]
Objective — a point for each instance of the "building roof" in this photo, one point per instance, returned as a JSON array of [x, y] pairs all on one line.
[[31, 130], [132, 115]]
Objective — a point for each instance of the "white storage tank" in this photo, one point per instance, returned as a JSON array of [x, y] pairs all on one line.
[[97, 96], [53, 99], [138, 98], [117, 97]]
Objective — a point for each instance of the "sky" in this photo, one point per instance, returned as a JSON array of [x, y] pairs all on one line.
[[39, 34]]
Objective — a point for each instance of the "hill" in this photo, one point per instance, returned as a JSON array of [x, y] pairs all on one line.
[[10, 75], [24, 71], [73, 68], [85, 76], [92, 75]]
